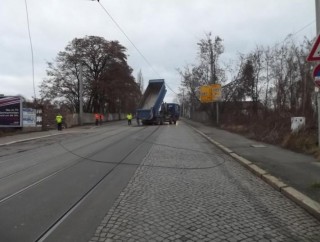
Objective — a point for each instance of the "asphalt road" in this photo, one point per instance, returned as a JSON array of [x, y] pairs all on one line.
[[59, 188], [149, 183]]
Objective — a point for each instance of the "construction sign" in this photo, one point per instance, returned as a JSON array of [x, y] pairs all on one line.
[[216, 92], [206, 94], [210, 93], [315, 51]]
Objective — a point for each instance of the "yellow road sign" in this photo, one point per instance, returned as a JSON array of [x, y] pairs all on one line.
[[216, 92], [210, 93], [205, 94]]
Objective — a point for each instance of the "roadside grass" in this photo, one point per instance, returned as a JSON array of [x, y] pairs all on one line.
[[304, 141], [315, 185], [9, 131]]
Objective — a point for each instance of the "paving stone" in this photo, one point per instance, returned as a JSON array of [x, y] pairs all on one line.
[[192, 191]]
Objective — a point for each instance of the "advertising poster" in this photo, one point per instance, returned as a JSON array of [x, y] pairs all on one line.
[[29, 117], [10, 112]]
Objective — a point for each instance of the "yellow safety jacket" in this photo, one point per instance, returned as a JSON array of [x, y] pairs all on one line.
[[59, 119], [129, 116]]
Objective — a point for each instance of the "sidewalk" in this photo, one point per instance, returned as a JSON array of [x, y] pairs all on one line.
[[21, 137], [289, 172], [14, 138]]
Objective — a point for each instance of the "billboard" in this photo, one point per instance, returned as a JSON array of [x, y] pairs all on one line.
[[29, 117], [10, 111]]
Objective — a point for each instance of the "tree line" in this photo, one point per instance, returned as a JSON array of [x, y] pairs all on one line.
[[274, 79], [261, 90], [277, 78], [108, 84]]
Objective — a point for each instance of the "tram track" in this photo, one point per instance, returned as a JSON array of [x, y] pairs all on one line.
[[89, 134], [73, 152], [71, 163], [71, 209], [75, 198], [18, 191]]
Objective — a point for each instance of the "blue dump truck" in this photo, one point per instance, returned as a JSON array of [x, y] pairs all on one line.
[[152, 110], [169, 112], [149, 108]]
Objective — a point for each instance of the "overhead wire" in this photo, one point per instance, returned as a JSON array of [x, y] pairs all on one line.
[[306, 26], [31, 48], [298, 31], [282, 42], [124, 33], [127, 37]]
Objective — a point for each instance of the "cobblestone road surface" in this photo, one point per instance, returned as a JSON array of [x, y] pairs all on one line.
[[188, 190]]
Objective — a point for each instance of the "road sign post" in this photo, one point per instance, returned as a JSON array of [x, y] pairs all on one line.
[[315, 56], [316, 76], [210, 94], [216, 96]]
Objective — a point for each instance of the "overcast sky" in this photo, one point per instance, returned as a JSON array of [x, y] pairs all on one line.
[[165, 31]]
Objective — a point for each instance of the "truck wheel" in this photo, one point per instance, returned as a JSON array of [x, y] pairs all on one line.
[[157, 121]]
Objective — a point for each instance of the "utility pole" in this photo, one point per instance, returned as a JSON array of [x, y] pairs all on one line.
[[80, 95], [212, 69], [318, 16], [213, 78], [183, 114]]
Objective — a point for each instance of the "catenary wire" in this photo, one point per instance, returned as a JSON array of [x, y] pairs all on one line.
[[127, 37], [277, 44], [124, 33], [31, 48], [298, 31]]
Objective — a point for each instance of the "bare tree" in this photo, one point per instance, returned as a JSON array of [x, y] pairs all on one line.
[[102, 62], [209, 53]]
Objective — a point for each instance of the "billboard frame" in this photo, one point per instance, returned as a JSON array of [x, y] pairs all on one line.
[[18, 106]]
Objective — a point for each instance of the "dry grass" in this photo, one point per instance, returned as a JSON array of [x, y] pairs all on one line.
[[235, 128], [276, 131], [315, 185], [303, 141], [9, 131]]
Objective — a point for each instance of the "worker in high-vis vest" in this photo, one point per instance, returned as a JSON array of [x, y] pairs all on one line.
[[59, 121], [97, 117], [129, 117]]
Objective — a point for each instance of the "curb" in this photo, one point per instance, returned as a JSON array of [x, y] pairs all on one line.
[[300, 199], [28, 139], [43, 136]]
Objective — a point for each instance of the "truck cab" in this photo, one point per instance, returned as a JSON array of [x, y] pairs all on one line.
[[170, 112]]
